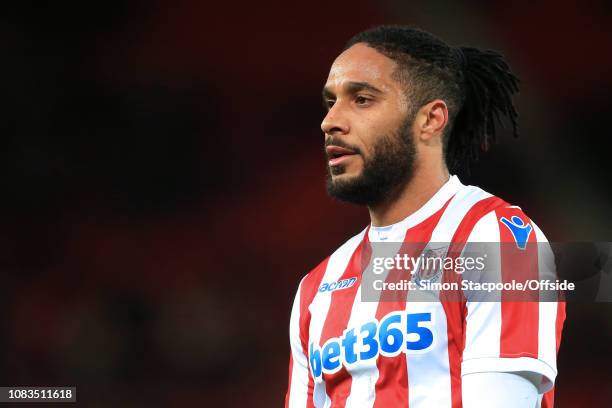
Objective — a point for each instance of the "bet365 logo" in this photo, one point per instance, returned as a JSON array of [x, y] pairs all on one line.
[[397, 332]]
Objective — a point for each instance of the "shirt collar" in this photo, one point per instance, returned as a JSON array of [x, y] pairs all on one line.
[[398, 230]]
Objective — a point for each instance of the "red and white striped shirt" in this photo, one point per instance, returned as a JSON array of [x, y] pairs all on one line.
[[464, 336]]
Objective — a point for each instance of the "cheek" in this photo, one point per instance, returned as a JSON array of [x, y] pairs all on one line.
[[372, 131]]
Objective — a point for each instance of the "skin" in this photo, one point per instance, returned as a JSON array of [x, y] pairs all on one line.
[[364, 103]]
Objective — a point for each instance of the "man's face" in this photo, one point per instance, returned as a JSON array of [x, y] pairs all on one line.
[[368, 137]]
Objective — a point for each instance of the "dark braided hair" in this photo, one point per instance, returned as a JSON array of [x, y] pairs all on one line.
[[477, 86]]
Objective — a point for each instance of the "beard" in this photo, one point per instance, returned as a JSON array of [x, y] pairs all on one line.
[[384, 174]]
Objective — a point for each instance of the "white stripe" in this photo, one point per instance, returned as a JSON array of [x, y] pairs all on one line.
[[319, 307], [298, 389], [365, 373], [429, 378], [547, 339], [483, 321], [463, 201]]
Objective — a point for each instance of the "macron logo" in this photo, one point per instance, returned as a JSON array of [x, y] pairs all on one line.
[[341, 284], [519, 229]]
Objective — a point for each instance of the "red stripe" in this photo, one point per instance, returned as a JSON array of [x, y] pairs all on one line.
[[454, 307], [338, 384], [549, 399], [310, 285], [519, 325], [560, 320], [392, 383]]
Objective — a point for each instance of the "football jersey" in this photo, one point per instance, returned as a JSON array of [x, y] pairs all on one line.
[[348, 352]]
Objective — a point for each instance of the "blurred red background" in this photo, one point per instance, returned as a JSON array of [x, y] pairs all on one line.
[[162, 183]]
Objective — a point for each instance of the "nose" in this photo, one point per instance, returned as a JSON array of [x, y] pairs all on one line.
[[334, 122]]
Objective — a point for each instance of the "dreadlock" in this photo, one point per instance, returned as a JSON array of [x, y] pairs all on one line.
[[477, 86]]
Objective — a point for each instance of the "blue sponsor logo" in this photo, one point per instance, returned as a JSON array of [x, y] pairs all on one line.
[[519, 229], [341, 284], [397, 332]]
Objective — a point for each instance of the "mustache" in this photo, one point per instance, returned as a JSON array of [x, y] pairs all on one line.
[[331, 141]]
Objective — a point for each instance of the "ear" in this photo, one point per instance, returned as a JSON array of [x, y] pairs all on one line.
[[431, 120]]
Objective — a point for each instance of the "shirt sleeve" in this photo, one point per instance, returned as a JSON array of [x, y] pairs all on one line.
[[300, 387], [500, 390], [513, 332]]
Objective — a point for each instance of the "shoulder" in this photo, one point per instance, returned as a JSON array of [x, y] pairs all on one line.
[[509, 224], [506, 223], [489, 218]]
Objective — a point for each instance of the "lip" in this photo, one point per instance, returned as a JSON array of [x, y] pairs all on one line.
[[337, 154]]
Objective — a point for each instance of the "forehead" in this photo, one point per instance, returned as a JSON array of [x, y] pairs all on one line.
[[361, 63]]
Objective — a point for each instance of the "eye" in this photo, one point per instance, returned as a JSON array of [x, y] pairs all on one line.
[[328, 103], [362, 100]]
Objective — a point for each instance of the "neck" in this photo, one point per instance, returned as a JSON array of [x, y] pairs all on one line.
[[423, 185]]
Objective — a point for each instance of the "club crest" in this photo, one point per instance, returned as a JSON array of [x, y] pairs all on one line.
[[431, 265]]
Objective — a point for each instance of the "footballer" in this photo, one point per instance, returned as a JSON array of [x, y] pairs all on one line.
[[405, 111]]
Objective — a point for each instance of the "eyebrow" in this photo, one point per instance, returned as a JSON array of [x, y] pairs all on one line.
[[353, 87]]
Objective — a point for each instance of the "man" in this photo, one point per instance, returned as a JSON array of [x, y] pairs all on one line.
[[404, 109]]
